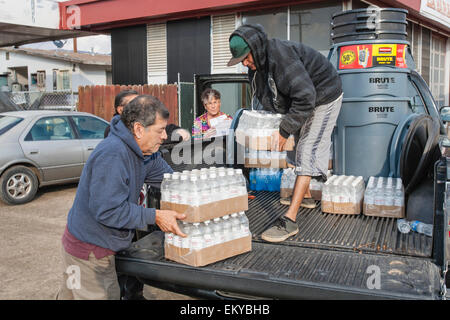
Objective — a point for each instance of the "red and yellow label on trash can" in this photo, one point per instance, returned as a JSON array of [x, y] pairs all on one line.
[[372, 55]]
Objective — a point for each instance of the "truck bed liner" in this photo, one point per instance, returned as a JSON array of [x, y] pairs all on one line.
[[325, 260], [349, 232], [289, 272]]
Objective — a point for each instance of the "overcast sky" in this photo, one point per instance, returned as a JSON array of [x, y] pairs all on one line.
[[98, 44]]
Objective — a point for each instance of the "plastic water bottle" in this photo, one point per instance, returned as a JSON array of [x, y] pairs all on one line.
[[399, 197], [369, 194], [219, 236], [379, 194], [389, 193], [224, 190], [244, 224], [403, 226], [165, 187], [214, 184], [185, 189], [175, 188], [420, 227], [205, 189], [226, 225], [235, 226], [168, 238], [241, 182], [186, 229], [193, 192], [196, 237], [252, 177], [233, 188], [208, 235], [260, 179]]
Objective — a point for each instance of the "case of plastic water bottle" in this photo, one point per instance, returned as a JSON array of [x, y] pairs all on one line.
[[205, 195], [214, 201], [343, 195], [210, 241], [255, 130], [288, 182], [384, 197]]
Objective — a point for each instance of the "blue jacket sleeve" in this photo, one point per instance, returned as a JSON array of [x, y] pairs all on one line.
[[155, 167], [109, 194]]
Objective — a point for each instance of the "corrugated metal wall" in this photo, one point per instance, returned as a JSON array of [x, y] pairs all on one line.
[[99, 100]]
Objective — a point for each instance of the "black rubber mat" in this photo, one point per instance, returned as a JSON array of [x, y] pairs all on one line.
[[351, 232], [280, 271]]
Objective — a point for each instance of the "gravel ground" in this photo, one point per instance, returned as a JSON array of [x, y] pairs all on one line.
[[30, 238]]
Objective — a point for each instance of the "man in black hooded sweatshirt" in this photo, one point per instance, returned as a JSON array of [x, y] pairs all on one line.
[[295, 80]]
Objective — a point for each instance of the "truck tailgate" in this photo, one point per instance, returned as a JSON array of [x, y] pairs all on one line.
[[332, 256], [290, 272]]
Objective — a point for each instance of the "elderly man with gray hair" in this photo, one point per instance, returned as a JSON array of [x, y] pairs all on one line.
[[105, 213]]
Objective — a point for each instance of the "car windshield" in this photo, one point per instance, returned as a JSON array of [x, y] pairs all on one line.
[[8, 122]]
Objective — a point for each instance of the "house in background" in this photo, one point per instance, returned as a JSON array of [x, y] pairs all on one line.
[[163, 41], [26, 69]]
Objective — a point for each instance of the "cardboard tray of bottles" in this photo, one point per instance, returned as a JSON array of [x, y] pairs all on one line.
[[265, 163], [384, 197], [199, 214], [208, 255], [208, 211], [343, 195], [260, 142]]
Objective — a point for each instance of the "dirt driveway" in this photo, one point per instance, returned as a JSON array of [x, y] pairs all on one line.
[[30, 240]]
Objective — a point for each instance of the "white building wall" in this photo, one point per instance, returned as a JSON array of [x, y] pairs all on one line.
[[83, 74]]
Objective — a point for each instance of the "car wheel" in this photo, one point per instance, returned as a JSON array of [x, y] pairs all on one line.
[[18, 185]]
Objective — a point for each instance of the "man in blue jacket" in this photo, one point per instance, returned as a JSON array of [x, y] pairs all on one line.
[[105, 212], [297, 81]]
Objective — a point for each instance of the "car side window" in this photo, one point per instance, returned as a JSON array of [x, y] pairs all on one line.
[[90, 127], [50, 128]]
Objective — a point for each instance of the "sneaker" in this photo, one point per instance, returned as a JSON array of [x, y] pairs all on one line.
[[286, 201], [306, 203], [281, 230]]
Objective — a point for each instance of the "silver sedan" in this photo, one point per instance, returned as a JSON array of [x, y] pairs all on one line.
[[39, 148]]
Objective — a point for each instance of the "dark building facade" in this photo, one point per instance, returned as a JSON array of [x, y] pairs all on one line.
[[177, 39]]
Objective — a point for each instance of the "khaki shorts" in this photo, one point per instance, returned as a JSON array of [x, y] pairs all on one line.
[[93, 279]]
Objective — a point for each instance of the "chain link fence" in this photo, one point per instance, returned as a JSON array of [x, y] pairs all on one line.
[[43, 100]]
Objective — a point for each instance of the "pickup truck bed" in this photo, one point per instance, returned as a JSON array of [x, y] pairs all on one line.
[[332, 257]]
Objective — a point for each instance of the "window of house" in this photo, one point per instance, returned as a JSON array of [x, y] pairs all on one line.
[[40, 79], [66, 83], [311, 24], [7, 55], [425, 61], [274, 21], [437, 69], [55, 79], [306, 23]]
